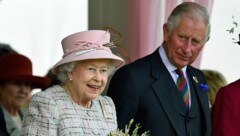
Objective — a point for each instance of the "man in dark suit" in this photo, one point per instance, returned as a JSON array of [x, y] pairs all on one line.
[[226, 111], [146, 89]]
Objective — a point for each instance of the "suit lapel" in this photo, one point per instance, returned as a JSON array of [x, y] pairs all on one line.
[[163, 84], [196, 80]]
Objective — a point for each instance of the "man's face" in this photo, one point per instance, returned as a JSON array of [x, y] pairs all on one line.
[[184, 43]]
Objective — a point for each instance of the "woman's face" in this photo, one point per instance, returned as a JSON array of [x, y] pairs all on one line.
[[89, 79], [14, 94]]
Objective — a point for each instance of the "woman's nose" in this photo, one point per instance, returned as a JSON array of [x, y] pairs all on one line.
[[97, 76], [25, 88]]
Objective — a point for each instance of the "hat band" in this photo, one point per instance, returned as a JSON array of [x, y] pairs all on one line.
[[84, 51], [86, 46]]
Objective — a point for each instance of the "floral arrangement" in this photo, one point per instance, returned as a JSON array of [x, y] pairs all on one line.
[[119, 132]]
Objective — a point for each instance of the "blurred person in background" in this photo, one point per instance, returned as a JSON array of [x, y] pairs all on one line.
[[16, 83], [4, 49], [53, 77], [215, 80]]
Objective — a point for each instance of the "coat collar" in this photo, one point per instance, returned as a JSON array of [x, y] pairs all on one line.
[[10, 124], [161, 87]]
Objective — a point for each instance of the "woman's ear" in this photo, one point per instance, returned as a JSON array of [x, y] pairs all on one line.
[[70, 77]]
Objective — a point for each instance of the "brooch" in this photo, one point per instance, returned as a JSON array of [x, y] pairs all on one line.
[[204, 87]]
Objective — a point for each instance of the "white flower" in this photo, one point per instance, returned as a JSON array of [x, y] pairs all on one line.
[[119, 132]]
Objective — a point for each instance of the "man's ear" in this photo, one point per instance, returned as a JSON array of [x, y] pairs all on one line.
[[165, 32]]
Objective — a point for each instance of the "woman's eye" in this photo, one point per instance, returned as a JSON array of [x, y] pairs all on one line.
[[104, 71], [91, 69]]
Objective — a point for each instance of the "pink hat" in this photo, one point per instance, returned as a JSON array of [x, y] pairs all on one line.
[[86, 45]]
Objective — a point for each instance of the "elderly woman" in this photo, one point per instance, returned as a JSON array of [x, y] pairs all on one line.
[[75, 107], [16, 83]]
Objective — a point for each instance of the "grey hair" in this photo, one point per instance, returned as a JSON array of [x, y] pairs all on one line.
[[189, 9], [64, 69]]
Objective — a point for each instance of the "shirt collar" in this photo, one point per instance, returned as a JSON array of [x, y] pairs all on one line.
[[167, 63]]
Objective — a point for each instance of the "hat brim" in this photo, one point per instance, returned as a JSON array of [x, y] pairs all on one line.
[[35, 81], [92, 54]]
